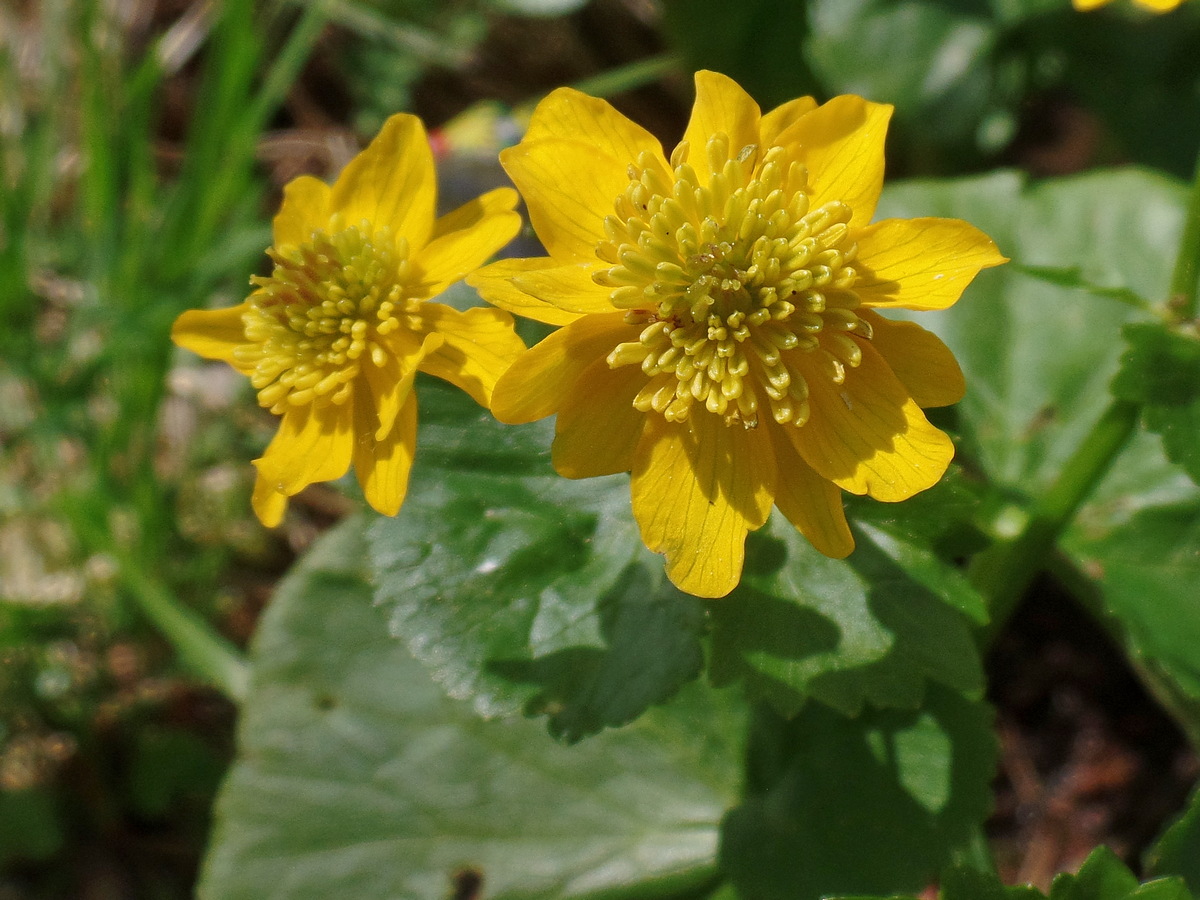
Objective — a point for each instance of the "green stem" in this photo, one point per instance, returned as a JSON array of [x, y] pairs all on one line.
[[629, 77], [1005, 570], [208, 655]]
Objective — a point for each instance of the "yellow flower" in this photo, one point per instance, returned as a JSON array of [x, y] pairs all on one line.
[[719, 337], [334, 337], [1152, 5]]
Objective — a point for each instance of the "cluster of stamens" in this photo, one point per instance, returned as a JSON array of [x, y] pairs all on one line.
[[320, 316], [733, 281]]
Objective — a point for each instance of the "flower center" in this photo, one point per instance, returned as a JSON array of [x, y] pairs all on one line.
[[736, 282], [321, 314]]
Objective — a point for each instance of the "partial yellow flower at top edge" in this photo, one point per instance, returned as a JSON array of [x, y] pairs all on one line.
[[721, 336], [1152, 5], [333, 338]]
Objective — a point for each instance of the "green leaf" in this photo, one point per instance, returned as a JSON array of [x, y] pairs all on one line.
[[1104, 877], [1038, 357], [942, 517], [1161, 370], [1160, 367], [524, 590], [359, 778], [939, 73], [873, 804], [1178, 850], [863, 630], [1179, 427], [1147, 570]]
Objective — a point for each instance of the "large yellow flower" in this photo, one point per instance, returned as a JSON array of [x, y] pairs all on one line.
[[333, 338], [1153, 5], [720, 336]]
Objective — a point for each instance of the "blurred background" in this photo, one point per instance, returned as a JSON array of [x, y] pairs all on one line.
[[143, 148]]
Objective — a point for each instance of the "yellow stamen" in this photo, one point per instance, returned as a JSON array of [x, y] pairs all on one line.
[[734, 281], [322, 312]]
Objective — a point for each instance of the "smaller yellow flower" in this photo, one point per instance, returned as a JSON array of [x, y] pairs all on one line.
[[333, 338], [1159, 6]]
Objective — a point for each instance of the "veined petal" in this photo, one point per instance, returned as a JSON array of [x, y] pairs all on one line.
[[211, 333], [392, 182], [390, 383], [698, 487], [571, 115], [570, 288], [539, 381], [495, 284], [598, 429], [721, 107], [809, 502], [383, 456], [867, 435], [781, 117], [569, 187], [305, 208], [313, 444], [477, 347], [920, 263], [841, 143], [384, 384], [383, 466], [924, 365], [466, 238]]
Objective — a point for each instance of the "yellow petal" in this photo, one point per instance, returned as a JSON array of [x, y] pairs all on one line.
[[312, 444], [569, 187], [568, 114], [211, 333], [305, 208], [386, 436], [268, 503], [1090, 4], [539, 381], [780, 118], [570, 288], [466, 238], [721, 107], [477, 347], [383, 466], [867, 435], [386, 387], [697, 488], [1159, 5], [392, 182], [597, 429], [924, 365], [841, 143], [411, 358], [920, 263], [495, 285], [809, 502]]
